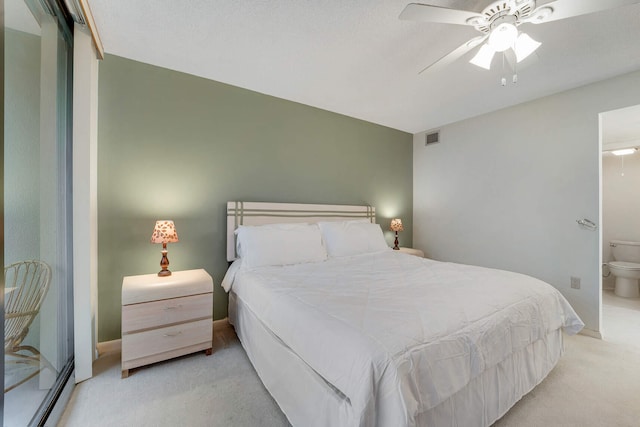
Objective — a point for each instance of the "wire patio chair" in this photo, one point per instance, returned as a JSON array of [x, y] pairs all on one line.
[[26, 285]]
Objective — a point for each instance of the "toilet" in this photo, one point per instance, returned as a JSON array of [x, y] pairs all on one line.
[[626, 267]]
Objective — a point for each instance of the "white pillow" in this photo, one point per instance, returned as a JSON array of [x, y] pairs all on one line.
[[344, 238], [279, 244]]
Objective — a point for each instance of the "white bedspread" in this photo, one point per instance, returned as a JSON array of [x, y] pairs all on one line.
[[395, 334]]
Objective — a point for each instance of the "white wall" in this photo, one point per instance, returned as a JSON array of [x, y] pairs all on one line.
[[505, 189], [620, 203], [85, 202]]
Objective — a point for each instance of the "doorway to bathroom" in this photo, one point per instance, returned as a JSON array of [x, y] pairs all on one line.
[[620, 225]]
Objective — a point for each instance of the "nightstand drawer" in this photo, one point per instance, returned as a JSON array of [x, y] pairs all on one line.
[[412, 251], [137, 317], [156, 341]]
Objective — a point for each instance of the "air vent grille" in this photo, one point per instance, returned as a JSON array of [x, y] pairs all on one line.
[[432, 138]]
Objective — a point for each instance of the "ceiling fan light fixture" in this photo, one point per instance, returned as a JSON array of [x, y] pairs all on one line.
[[525, 46], [484, 57], [503, 37]]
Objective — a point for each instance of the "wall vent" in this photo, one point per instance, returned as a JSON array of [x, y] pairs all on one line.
[[432, 138]]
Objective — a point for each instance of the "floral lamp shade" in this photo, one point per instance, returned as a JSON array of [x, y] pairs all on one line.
[[164, 232], [396, 225]]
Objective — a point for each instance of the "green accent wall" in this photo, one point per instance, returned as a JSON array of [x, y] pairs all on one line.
[[175, 146]]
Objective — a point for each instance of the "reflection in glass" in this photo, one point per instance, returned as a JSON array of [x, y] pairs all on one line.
[[38, 345], [26, 285]]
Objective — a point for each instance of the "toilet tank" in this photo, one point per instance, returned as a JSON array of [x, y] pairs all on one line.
[[625, 251]]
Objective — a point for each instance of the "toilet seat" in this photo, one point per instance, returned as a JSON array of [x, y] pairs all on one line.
[[625, 265]]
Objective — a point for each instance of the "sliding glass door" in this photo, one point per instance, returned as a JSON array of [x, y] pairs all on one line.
[[38, 351]]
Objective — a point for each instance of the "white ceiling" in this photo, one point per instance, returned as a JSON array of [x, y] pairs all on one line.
[[355, 57]]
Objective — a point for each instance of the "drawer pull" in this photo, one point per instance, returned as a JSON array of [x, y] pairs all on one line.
[[173, 335], [173, 307]]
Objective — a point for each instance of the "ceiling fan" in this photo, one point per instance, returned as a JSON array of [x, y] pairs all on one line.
[[499, 24]]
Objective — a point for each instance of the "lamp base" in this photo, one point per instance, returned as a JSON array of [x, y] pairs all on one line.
[[164, 262], [395, 243], [163, 273]]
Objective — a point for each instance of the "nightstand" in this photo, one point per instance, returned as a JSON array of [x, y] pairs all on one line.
[[165, 317], [411, 251]]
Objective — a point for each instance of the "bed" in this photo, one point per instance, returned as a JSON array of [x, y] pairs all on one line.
[[344, 331]]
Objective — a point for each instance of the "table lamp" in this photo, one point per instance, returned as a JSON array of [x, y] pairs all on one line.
[[396, 225], [164, 232]]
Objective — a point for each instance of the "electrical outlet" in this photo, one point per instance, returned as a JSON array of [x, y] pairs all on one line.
[[575, 282]]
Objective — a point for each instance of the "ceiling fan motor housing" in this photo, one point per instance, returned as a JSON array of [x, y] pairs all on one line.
[[492, 15]]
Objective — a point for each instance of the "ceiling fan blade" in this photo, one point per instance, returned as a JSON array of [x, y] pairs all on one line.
[[454, 54], [428, 13], [562, 9]]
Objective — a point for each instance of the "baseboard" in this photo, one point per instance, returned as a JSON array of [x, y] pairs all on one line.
[[220, 322], [105, 347], [591, 333], [115, 346]]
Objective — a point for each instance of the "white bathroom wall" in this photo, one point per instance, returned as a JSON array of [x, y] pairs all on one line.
[[505, 189], [620, 203]]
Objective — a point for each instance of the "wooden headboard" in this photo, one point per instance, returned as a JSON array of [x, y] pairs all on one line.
[[260, 213]]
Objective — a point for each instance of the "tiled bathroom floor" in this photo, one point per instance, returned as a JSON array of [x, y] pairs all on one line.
[[620, 319]]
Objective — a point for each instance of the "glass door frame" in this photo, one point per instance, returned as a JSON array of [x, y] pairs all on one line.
[[53, 404], [2, 193], [60, 392]]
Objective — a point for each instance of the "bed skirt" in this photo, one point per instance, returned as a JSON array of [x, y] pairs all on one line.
[[308, 400]]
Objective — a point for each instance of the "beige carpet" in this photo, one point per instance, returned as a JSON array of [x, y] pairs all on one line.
[[596, 383]]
